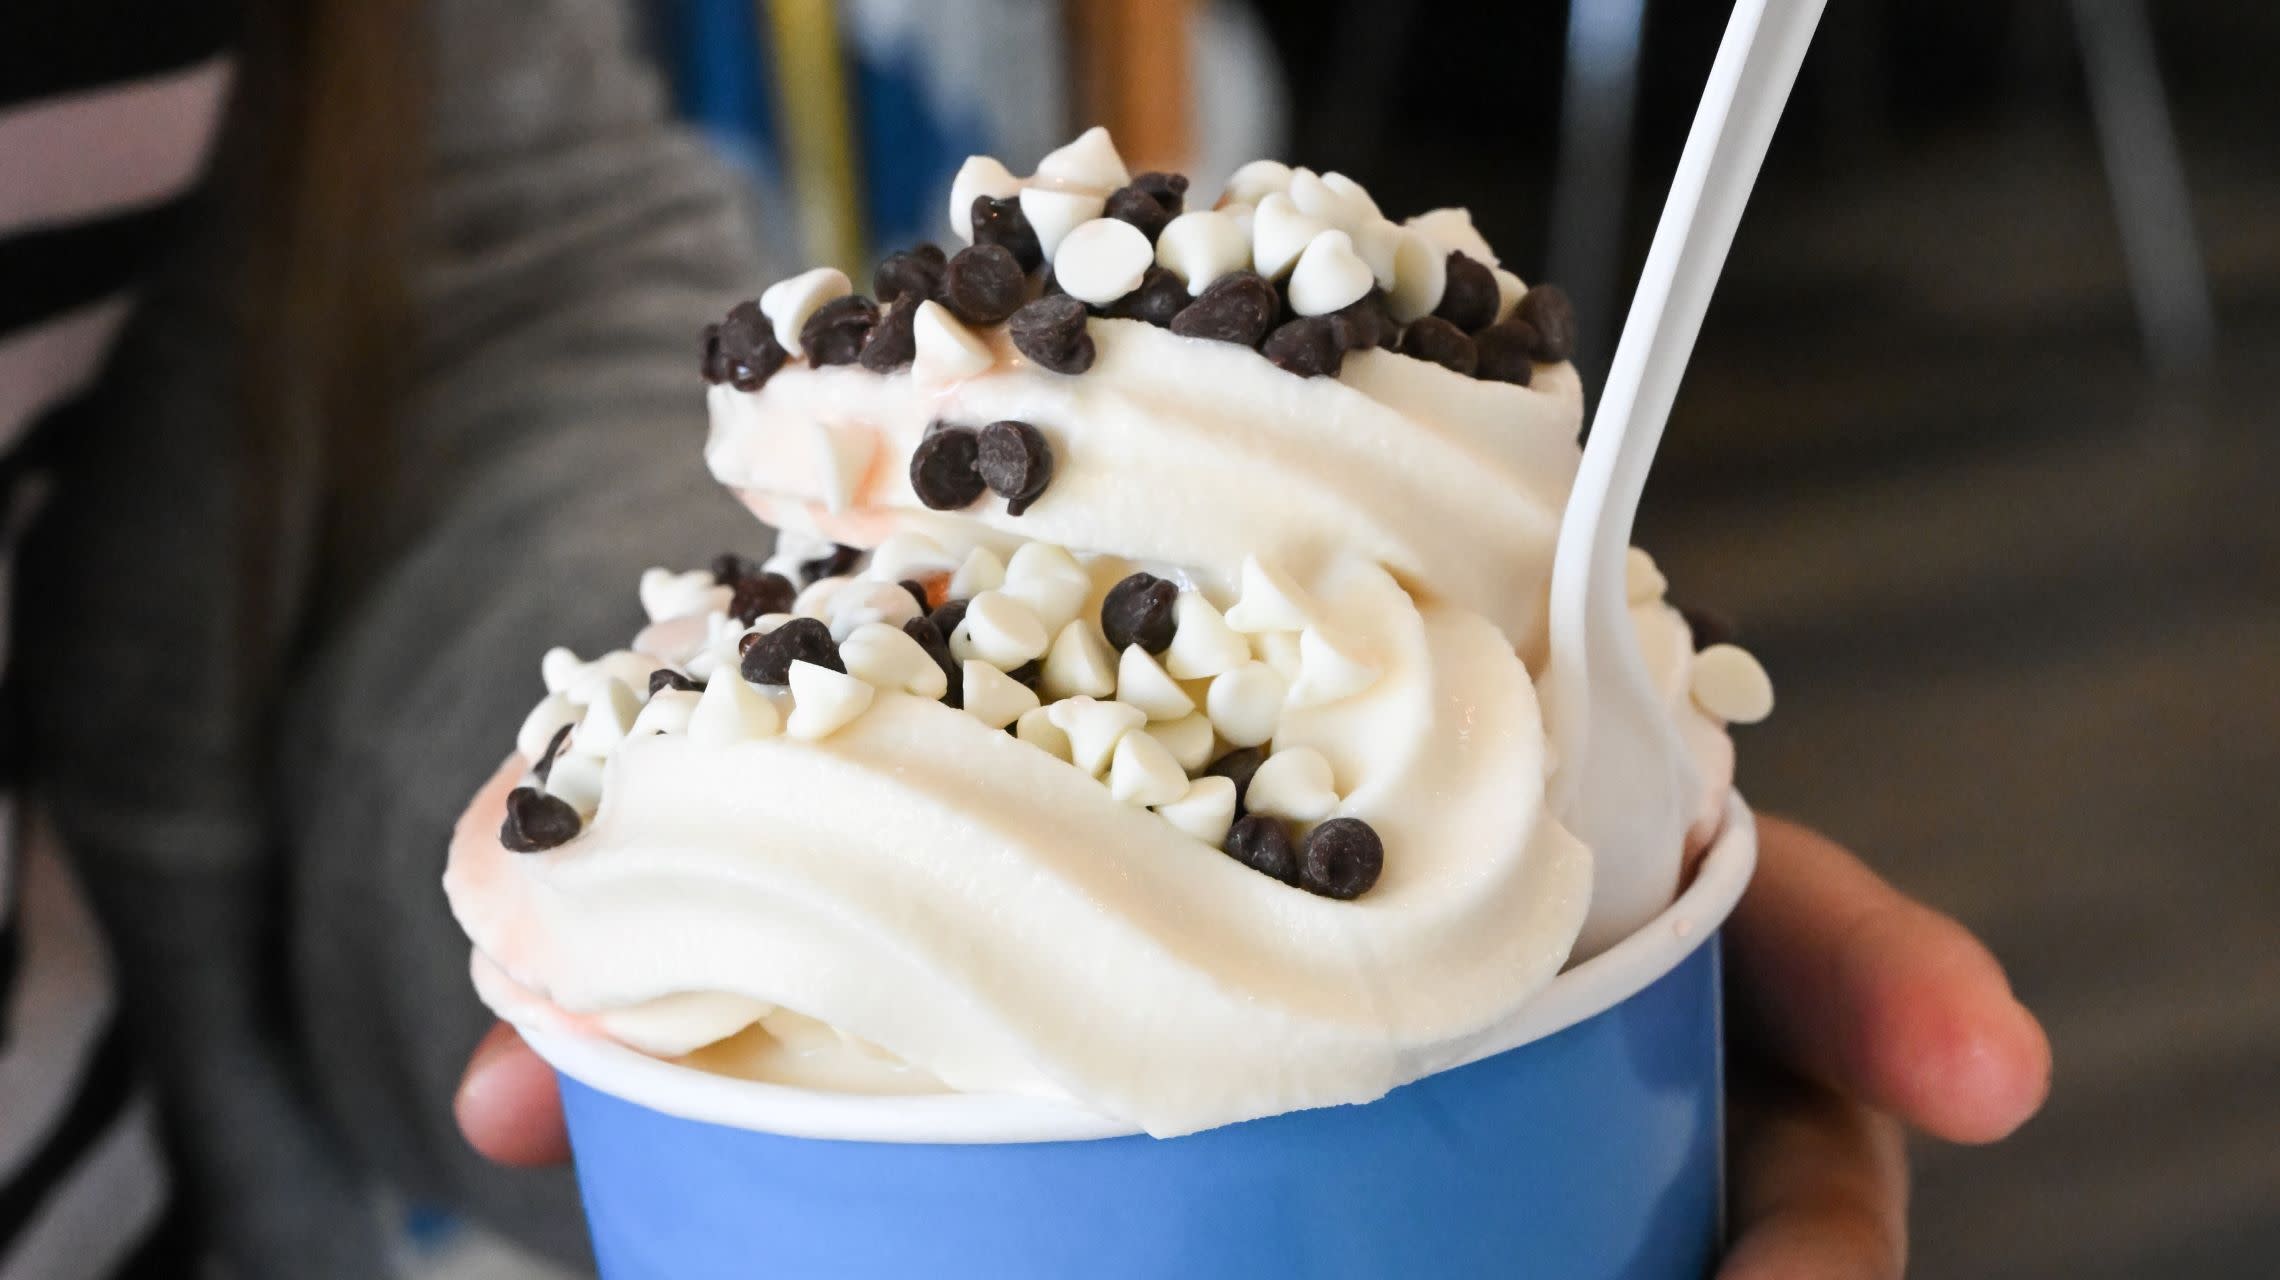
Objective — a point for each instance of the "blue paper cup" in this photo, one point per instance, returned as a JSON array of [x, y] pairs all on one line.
[[1585, 1144]]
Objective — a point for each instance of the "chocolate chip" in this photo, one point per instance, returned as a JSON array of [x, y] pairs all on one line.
[[928, 251], [1708, 628], [831, 564], [537, 821], [728, 567], [1160, 297], [770, 659], [664, 678], [1015, 462], [932, 639], [1238, 307], [1029, 674], [1142, 210], [748, 348], [1138, 611], [1237, 766], [942, 469], [761, 593], [1340, 858], [909, 273], [1432, 338], [836, 332], [1262, 843], [1169, 189], [1307, 346], [1469, 300], [917, 591], [713, 365], [1051, 332], [1548, 309], [948, 616], [1365, 322], [1507, 352], [894, 341], [745, 642], [544, 768], [1000, 223], [983, 285]]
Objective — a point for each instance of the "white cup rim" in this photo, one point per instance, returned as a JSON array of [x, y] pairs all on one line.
[[1580, 993]]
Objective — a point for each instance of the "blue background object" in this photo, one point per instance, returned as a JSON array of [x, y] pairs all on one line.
[[1593, 1154]]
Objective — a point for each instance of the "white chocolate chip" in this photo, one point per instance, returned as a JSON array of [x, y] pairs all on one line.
[[1420, 276], [1329, 670], [674, 641], [1203, 644], [1256, 181], [1246, 704], [1205, 810], [979, 176], [814, 599], [1094, 728], [793, 549], [1089, 162], [886, 657], [1509, 290], [1294, 784], [1038, 730], [1378, 242], [666, 594], [999, 630], [1316, 198], [1452, 231], [982, 571], [1079, 664], [1054, 212], [789, 303], [1188, 738], [577, 781], [1643, 583], [1103, 260], [1731, 685], [609, 715], [1353, 193], [1049, 581], [908, 555], [1201, 246], [667, 711], [1270, 601], [1142, 773], [864, 603], [993, 697], [539, 727], [1279, 650], [945, 350], [1279, 233], [560, 668], [731, 711], [1141, 681], [1329, 275], [841, 454], [824, 701]]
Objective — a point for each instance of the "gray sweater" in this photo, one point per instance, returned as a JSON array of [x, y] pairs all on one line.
[[272, 888]]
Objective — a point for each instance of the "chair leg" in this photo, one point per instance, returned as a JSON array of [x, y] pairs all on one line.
[[1598, 95]]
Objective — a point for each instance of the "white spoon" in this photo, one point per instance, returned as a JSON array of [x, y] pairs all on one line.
[[1624, 782]]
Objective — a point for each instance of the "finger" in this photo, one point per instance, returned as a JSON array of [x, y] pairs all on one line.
[[1872, 994], [508, 1106], [1819, 1190]]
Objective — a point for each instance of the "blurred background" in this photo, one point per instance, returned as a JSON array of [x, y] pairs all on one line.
[[1975, 449]]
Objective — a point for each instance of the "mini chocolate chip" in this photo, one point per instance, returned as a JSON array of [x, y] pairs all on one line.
[[748, 347], [1469, 300], [1548, 309], [759, 594], [728, 567], [1506, 350], [1340, 858], [1160, 297], [942, 469], [933, 639], [983, 285], [1142, 210], [1169, 189], [1432, 338], [712, 364], [908, 273], [664, 678], [745, 642], [831, 564], [537, 821], [928, 251], [1015, 462], [836, 332], [1262, 843], [1000, 223], [1707, 628], [1307, 346], [1365, 322], [544, 768], [1029, 674], [770, 659], [1138, 611], [917, 591], [948, 616], [1051, 333], [1237, 766], [1238, 307], [894, 341]]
